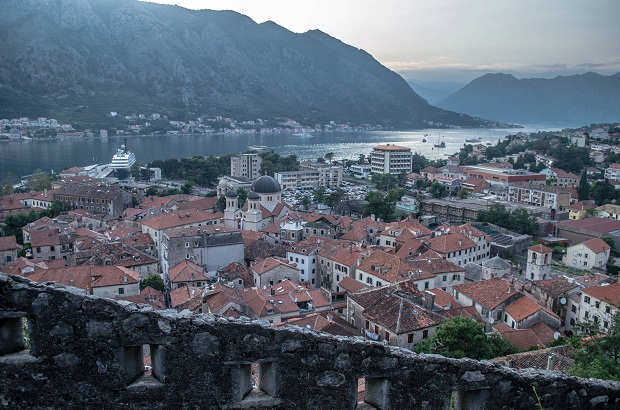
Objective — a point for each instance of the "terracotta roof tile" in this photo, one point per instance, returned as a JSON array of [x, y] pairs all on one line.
[[187, 271], [526, 307], [609, 293], [596, 245], [488, 293]]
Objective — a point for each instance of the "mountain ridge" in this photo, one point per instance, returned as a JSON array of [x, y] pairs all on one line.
[[579, 99], [80, 59]]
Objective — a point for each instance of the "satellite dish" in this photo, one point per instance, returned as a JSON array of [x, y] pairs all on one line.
[[556, 335], [562, 301], [491, 321]]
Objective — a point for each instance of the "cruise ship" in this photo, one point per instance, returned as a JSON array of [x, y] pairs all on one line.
[[123, 159]]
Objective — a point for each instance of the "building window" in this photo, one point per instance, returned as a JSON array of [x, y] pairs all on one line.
[[369, 280], [605, 324], [427, 285], [121, 291], [573, 309], [444, 278], [425, 334], [597, 304], [410, 338], [607, 309], [367, 324], [587, 315], [586, 299]]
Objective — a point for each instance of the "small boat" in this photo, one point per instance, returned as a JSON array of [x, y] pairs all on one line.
[[441, 144], [303, 134], [474, 139], [254, 147], [423, 139]]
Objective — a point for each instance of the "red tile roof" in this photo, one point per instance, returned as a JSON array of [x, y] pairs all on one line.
[[180, 218], [539, 335], [526, 307], [186, 297], [451, 242], [488, 293], [351, 285], [265, 265], [187, 271], [596, 245], [391, 268], [540, 248], [609, 293], [389, 307], [598, 225], [9, 243]]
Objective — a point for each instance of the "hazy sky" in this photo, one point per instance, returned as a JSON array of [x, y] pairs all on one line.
[[456, 39]]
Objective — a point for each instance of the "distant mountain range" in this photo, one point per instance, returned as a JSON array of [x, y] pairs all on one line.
[[576, 100], [80, 59], [434, 91]]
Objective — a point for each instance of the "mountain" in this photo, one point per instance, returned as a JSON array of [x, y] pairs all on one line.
[[80, 59], [434, 91], [588, 98]]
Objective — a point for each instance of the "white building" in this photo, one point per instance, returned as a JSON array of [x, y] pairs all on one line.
[[613, 172], [390, 159], [246, 166], [304, 255], [592, 253], [599, 305], [362, 171]]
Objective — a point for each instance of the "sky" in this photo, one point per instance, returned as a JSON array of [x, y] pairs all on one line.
[[456, 40]]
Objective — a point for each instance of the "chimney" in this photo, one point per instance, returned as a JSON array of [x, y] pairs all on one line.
[[429, 300], [272, 291], [551, 361], [373, 217], [511, 288], [460, 243]]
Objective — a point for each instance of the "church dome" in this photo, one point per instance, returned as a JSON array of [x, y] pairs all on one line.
[[266, 185], [253, 196], [231, 193]]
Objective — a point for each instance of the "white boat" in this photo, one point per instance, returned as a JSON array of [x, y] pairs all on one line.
[[474, 139], [123, 159], [303, 134], [255, 147]]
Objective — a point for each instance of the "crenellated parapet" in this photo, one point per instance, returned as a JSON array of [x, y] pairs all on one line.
[[88, 352]]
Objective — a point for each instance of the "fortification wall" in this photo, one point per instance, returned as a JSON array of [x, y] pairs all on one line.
[[87, 352]]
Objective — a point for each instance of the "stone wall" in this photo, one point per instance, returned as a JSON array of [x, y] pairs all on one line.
[[87, 352]]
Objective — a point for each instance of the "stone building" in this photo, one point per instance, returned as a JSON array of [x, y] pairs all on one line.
[[539, 259], [212, 247], [8, 250]]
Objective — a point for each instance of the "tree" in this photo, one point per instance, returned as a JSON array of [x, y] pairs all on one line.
[[603, 192], [462, 194], [384, 182], [319, 195], [437, 190], [600, 356], [151, 191], [39, 181], [362, 159], [583, 190], [519, 164], [187, 188], [305, 201], [329, 156], [418, 162], [522, 221], [153, 281], [381, 205], [461, 337], [220, 205], [242, 196], [609, 240]]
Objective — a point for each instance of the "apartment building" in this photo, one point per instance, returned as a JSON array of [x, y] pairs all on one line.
[[246, 166], [390, 159]]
